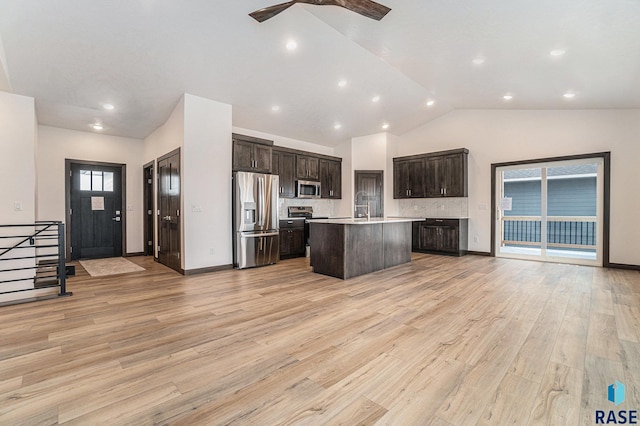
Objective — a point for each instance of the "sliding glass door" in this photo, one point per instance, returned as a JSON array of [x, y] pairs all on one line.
[[550, 211]]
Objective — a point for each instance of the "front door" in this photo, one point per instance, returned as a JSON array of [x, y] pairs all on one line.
[[169, 210], [95, 215]]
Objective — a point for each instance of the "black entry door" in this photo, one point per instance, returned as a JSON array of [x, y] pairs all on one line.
[[96, 211], [169, 207]]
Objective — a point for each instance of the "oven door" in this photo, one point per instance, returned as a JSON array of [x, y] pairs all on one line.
[[308, 189]]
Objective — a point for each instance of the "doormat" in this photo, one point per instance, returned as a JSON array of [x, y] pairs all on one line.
[[110, 266]]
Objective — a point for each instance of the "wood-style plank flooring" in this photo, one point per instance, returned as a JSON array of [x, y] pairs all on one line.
[[442, 341]]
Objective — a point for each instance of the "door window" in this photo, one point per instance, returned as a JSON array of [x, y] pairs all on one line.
[[96, 180]]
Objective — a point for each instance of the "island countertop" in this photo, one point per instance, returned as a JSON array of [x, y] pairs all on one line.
[[346, 248], [365, 221]]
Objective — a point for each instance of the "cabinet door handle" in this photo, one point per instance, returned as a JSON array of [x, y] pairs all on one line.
[[445, 191], [409, 192]]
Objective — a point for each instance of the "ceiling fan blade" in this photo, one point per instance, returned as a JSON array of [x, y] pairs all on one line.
[[271, 11], [367, 8]]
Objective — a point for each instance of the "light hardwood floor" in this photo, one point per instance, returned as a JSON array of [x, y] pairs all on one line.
[[442, 341]]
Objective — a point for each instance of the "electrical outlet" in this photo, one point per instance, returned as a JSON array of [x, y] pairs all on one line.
[[476, 239], [415, 208], [212, 252], [17, 206]]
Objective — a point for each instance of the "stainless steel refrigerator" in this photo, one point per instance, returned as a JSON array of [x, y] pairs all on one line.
[[256, 239]]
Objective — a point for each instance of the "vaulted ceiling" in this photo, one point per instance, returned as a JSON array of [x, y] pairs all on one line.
[[73, 56]]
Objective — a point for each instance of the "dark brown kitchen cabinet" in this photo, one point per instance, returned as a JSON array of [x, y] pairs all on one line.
[[409, 178], [283, 165], [447, 175], [438, 174], [445, 236], [251, 154], [307, 167], [331, 178], [292, 242]]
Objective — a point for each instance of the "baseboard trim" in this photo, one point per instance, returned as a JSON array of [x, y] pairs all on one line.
[[479, 253], [140, 253], [623, 266], [207, 270]]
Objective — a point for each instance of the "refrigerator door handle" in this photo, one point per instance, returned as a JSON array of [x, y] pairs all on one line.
[[259, 235], [261, 196]]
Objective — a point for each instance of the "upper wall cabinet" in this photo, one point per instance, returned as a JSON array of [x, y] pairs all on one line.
[[307, 167], [251, 154], [284, 164], [409, 178], [331, 178], [447, 175], [438, 174]]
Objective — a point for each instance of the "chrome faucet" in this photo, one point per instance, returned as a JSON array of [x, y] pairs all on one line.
[[356, 206]]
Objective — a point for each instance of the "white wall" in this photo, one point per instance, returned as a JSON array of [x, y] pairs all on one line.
[[494, 136], [372, 152], [206, 176], [167, 137], [5, 83], [18, 177], [55, 145], [17, 148]]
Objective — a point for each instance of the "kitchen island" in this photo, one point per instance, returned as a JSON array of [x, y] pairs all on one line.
[[346, 248]]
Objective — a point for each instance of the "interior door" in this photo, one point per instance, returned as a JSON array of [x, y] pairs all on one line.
[[96, 215], [368, 190], [169, 210], [148, 210]]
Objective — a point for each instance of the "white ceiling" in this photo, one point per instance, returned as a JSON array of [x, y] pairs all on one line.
[[142, 55]]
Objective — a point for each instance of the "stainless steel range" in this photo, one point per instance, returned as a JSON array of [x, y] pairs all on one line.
[[307, 213]]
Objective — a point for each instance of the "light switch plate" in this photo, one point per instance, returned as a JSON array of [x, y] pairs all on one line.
[[17, 206]]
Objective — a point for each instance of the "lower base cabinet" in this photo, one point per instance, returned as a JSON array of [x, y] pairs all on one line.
[[292, 242], [443, 236]]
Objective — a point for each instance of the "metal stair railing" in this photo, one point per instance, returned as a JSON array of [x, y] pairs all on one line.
[[32, 261]]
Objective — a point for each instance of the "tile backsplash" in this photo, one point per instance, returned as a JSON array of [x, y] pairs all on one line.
[[320, 207], [434, 207]]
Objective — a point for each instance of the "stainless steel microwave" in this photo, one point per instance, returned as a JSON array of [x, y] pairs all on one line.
[[307, 189]]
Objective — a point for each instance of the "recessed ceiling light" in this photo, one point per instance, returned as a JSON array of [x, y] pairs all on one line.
[[507, 97], [108, 107], [292, 45], [478, 61], [337, 126], [385, 126], [342, 83], [275, 108], [375, 99], [430, 102], [97, 126], [557, 52], [569, 95]]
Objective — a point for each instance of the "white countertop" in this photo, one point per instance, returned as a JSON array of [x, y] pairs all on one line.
[[364, 221]]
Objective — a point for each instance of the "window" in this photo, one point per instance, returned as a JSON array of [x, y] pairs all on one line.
[[94, 180], [551, 211]]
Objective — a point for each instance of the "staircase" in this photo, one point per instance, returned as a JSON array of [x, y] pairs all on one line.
[[32, 262]]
